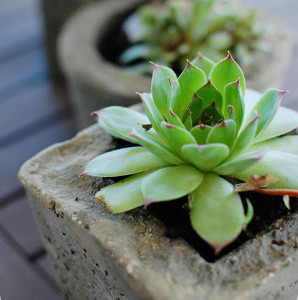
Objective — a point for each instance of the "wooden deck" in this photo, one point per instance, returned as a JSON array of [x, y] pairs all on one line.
[[35, 114]]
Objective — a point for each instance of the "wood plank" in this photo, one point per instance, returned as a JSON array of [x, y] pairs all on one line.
[[17, 219], [18, 15], [18, 277], [18, 116], [22, 71], [20, 38], [20, 29], [8, 6], [13, 156]]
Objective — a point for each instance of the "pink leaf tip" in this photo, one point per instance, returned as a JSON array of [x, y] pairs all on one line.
[[97, 113], [199, 56], [155, 66], [147, 203], [229, 56]]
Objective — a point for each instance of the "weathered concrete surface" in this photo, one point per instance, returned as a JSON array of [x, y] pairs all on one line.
[[55, 13], [98, 255], [95, 83]]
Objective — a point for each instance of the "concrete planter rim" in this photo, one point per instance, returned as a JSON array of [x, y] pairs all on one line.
[[90, 22], [84, 29], [173, 265]]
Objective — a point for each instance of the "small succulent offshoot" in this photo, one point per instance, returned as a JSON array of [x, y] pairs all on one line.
[[168, 32], [202, 132]]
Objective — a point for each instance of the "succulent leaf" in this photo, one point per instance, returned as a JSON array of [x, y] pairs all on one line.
[[167, 183], [200, 133], [249, 213], [211, 115], [190, 80], [233, 97], [122, 162], [204, 63], [251, 98], [206, 157], [188, 120], [123, 195], [151, 110], [281, 165], [239, 164], [209, 93], [246, 136], [195, 107], [160, 150], [224, 132], [120, 121], [267, 107], [175, 97], [285, 120], [177, 136], [216, 212], [174, 119], [225, 72], [288, 144], [161, 87]]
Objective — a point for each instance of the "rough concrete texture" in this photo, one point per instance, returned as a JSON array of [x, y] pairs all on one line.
[[95, 83], [98, 255], [55, 13]]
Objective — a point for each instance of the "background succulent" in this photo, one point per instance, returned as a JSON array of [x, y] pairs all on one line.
[[168, 32], [201, 131]]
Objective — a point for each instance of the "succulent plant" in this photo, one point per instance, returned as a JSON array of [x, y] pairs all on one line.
[[169, 32], [202, 133]]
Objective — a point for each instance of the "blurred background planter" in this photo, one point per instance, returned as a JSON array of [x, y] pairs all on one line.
[[55, 13], [98, 255], [95, 82]]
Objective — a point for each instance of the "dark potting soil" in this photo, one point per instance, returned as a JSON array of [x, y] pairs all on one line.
[[114, 42], [175, 215]]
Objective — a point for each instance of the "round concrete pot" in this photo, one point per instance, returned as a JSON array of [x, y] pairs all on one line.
[[95, 82], [98, 255]]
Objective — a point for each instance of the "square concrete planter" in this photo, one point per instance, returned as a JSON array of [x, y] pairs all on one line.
[[98, 255], [94, 82]]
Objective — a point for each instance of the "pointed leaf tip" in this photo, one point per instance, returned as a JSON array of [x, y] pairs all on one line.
[[143, 99], [195, 96], [171, 81], [169, 125], [155, 66], [139, 95], [229, 56], [133, 134], [199, 56], [147, 203], [96, 113], [189, 64], [282, 92]]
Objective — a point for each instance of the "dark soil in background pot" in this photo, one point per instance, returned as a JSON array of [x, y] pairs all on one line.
[[175, 215], [114, 42]]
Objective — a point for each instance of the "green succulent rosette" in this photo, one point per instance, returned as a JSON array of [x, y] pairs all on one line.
[[202, 130], [168, 32]]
